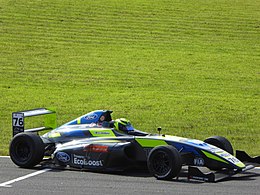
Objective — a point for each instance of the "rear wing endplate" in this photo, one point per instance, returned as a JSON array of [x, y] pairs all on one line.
[[18, 120]]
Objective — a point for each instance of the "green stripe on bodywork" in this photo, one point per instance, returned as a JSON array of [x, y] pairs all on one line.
[[214, 157], [150, 142], [102, 133], [240, 164]]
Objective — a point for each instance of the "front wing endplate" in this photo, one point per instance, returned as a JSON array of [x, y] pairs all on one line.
[[204, 174]]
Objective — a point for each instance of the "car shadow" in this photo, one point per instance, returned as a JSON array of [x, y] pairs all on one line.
[[182, 177], [247, 176]]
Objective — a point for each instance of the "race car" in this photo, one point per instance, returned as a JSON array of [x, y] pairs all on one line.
[[95, 142]]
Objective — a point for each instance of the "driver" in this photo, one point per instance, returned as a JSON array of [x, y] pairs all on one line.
[[122, 125]]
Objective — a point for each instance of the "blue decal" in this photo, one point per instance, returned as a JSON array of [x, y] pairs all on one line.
[[63, 157], [196, 142], [91, 117], [74, 133], [185, 148]]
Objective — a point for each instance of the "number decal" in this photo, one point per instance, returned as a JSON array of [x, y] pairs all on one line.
[[233, 160], [18, 120]]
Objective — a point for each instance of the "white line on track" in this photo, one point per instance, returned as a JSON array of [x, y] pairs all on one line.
[[7, 183]]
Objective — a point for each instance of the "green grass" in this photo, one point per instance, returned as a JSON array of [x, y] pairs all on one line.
[[191, 67]]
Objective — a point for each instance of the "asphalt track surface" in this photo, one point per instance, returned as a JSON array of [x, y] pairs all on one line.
[[39, 181]]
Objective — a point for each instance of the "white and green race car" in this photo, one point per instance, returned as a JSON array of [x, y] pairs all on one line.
[[96, 142]]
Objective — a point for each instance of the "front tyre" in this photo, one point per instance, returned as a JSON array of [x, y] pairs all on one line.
[[26, 150], [220, 142], [164, 162]]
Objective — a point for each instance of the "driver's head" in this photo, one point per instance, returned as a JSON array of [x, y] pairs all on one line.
[[122, 125]]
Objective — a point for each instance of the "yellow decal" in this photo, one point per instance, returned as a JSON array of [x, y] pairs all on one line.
[[102, 133], [54, 135]]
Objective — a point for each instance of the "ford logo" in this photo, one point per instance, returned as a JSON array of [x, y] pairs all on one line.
[[91, 117], [63, 157]]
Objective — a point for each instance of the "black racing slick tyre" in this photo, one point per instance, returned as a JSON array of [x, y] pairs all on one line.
[[220, 142], [26, 150], [164, 162]]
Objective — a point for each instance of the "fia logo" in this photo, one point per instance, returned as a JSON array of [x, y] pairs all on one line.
[[198, 161]]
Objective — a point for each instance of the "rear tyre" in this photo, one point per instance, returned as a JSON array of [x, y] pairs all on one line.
[[164, 162], [220, 142], [26, 150]]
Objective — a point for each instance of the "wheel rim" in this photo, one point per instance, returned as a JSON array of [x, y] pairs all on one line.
[[22, 151], [161, 163]]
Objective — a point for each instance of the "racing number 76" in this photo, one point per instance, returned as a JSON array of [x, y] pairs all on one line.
[[18, 121]]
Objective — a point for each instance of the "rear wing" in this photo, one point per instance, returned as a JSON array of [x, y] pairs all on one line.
[[18, 121]]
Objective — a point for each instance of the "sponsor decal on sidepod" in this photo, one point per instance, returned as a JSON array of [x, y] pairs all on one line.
[[63, 157], [81, 160]]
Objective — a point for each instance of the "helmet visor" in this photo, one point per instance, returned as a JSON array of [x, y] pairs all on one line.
[[125, 127], [129, 127]]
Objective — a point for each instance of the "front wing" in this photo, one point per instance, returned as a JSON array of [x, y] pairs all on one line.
[[207, 175]]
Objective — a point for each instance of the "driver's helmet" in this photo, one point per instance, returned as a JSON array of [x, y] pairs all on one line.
[[122, 125]]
